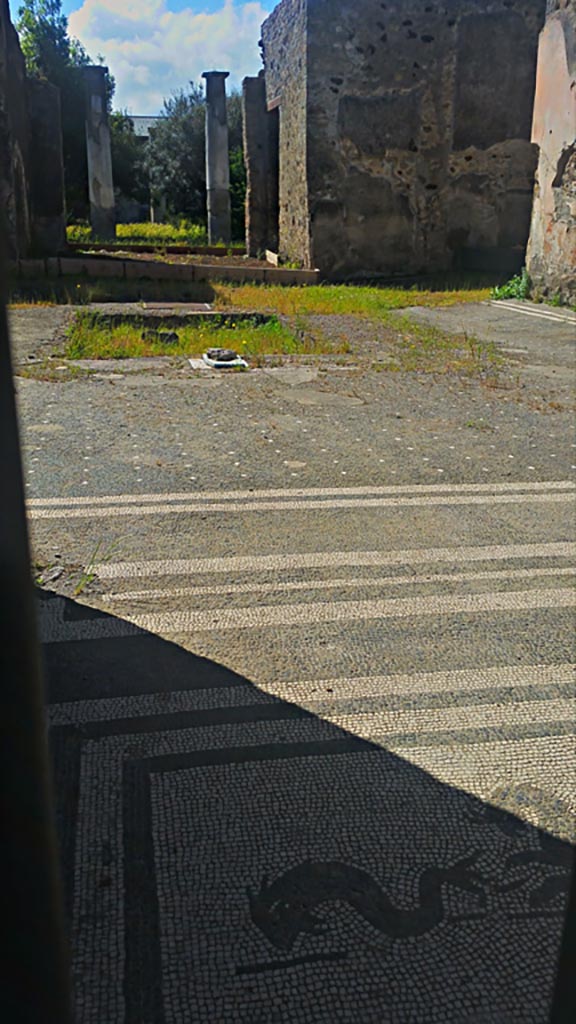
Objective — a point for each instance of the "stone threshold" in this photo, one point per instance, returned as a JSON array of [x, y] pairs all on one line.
[[90, 267], [174, 250]]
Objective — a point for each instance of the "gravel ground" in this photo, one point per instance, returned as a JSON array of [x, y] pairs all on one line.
[[157, 425]]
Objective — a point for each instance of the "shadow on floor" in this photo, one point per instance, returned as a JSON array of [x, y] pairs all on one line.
[[231, 857]]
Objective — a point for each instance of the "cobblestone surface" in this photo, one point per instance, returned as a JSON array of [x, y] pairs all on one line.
[[312, 703]]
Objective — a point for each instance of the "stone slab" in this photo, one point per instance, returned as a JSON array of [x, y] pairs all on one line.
[[292, 375]]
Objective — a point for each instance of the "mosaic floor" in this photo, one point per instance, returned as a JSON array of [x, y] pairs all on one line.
[[384, 839]]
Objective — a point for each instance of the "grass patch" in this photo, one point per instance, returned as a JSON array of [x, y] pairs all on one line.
[[408, 347], [351, 300], [50, 370], [183, 233], [88, 338], [419, 348]]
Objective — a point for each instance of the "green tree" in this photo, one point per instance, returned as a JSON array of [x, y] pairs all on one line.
[[43, 30], [234, 114], [176, 156], [128, 159], [237, 167], [52, 54], [238, 193]]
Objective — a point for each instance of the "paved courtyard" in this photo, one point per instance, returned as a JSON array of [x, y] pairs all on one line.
[[309, 648]]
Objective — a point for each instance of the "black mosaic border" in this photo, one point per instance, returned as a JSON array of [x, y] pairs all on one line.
[[142, 979]]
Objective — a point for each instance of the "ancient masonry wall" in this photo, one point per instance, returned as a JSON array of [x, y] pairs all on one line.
[[284, 53], [404, 132], [14, 138], [31, 167], [419, 118], [551, 258]]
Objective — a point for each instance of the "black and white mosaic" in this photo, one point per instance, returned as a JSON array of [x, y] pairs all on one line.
[[234, 855]]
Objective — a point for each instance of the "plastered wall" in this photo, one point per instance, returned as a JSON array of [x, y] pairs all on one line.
[[552, 249]]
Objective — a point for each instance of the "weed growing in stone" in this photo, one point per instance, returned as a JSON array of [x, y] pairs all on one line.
[[419, 348], [88, 573], [518, 287], [349, 300]]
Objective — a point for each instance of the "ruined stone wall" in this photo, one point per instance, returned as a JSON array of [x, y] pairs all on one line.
[[414, 136], [31, 168], [419, 115], [551, 256], [284, 51], [14, 139]]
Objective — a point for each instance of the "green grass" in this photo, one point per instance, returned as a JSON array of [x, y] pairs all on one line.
[[89, 338], [183, 233], [418, 348], [407, 348], [350, 300]]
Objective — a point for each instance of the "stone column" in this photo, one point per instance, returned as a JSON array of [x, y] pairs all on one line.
[[261, 152], [100, 181], [217, 159]]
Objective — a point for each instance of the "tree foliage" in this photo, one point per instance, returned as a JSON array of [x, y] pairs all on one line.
[[128, 159], [176, 157], [237, 168], [237, 192], [43, 31]]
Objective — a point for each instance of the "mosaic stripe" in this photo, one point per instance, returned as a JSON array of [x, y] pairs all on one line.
[[454, 718], [427, 682], [541, 314], [296, 492], [334, 584], [330, 559], [321, 694], [303, 505], [346, 611]]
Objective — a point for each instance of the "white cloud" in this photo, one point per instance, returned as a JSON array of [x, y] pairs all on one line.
[[152, 51]]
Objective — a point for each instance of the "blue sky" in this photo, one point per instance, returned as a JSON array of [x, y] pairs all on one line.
[[155, 47]]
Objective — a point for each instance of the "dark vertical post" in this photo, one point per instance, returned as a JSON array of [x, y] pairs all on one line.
[[217, 159], [99, 153], [47, 167], [261, 156], [34, 988]]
